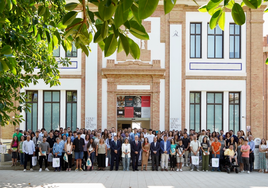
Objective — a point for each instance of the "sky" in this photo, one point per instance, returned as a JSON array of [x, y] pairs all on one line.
[[265, 25]]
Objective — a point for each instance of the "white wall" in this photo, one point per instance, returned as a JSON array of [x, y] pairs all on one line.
[[224, 86], [104, 104], [66, 84], [219, 67], [162, 108]]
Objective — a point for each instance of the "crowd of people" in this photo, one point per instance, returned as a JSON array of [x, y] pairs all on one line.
[[171, 150]]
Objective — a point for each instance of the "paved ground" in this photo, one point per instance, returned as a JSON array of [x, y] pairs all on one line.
[[116, 179]]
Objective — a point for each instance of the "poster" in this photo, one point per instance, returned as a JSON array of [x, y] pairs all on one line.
[[145, 101], [121, 112], [91, 123], [137, 101], [129, 112], [120, 101], [175, 124], [145, 112], [128, 101], [137, 112]]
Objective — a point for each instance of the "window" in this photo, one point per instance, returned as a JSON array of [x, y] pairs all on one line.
[[51, 110], [56, 52], [72, 53], [71, 109], [214, 111], [195, 40], [215, 42], [195, 111], [235, 41], [234, 111], [32, 113]]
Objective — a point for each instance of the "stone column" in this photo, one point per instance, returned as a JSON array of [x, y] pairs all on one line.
[[155, 104], [111, 104]]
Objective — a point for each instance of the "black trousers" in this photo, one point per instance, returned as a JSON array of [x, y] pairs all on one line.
[[135, 159], [41, 158], [28, 157], [173, 161], [251, 161], [155, 161], [116, 157], [101, 160], [69, 161]]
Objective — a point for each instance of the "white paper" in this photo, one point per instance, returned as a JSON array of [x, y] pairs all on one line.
[[145, 112], [195, 160], [91, 123], [175, 124]]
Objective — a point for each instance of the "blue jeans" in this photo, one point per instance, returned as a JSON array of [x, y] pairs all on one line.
[[125, 161], [92, 157], [22, 158], [217, 156]]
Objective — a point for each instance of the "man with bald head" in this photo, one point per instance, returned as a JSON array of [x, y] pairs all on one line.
[[135, 152]]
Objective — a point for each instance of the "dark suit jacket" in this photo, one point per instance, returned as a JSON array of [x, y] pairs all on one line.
[[155, 148], [135, 147], [115, 147]]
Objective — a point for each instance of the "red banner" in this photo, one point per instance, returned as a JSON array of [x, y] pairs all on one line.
[[129, 112], [145, 101]]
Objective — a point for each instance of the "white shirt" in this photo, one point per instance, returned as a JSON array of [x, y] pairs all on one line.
[[126, 148], [195, 145], [28, 147], [150, 138]]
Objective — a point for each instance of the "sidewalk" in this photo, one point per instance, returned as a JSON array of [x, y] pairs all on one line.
[[144, 179]]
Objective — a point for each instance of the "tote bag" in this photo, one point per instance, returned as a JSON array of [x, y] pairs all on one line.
[[34, 160], [56, 162], [107, 161], [65, 158], [50, 157], [215, 162], [195, 160], [88, 162]]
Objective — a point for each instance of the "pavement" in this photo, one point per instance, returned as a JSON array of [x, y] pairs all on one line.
[[130, 179]]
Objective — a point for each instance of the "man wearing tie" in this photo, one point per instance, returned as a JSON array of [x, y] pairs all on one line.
[[115, 153], [165, 148], [155, 147], [135, 151]]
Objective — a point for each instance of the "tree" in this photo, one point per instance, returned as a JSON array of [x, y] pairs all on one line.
[[31, 29]]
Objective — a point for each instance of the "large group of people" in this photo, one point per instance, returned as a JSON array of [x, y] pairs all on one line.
[[171, 150]]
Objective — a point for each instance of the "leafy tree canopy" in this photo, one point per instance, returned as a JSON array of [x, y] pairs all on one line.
[[31, 29]]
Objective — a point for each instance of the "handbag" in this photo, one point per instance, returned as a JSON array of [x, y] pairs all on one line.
[[56, 162], [107, 161], [50, 157], [215, 162], [65, 158], [195, 160], [34, 160], [88, 162]]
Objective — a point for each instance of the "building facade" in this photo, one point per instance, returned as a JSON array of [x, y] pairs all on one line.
[[188, 76]]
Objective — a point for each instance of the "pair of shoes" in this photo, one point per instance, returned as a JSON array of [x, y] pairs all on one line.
[[136, 169], [181, 170], [81, 169], [206, 170], [47, 170], [31, 169], [162, 169], [76, 170], [248, 172], [40, 170], [166, 169], [156, 169], [192, 170], [24, 170], [70, 169], [178, 170], [203, 170], [242, 171], [153, 170], [219, 170], [212, 170], [197, 170]]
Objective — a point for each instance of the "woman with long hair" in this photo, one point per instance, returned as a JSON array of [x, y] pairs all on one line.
[[232, 142], [91, 152], [105, 134], [68, 149], [126, 149], [172, 154], [205, 147], [227, 140], [239, 157], [14, 149], [145, 153], [176, 139], [87, 137], [262, 158], [101, 152], [170, 136]]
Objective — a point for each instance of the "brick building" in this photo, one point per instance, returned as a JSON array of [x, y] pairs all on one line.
[[188, 76]]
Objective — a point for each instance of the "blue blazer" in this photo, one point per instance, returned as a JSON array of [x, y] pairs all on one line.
[[167, 147], [115, 147], [155, 148], [135, 147]]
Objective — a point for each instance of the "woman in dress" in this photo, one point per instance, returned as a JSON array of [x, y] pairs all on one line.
[[239, 157], [126, 149], [141, 140], [101, 154], [262, 158], [14, 149], [227, 140], [87, 137], [172, 155], [68, 149], [145, 153], [91, 152]]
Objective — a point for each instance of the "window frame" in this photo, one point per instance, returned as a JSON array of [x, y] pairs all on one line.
[[72, 51], [26, 122], [195, 40], [222, 113], [215, 35], [195, 92], [234, 35], [239, 103], [66, 102], [51, 106]]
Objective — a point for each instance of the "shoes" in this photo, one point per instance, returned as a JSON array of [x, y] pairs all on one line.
[[182, 165], [40, 170], [24, 170], [206, 170], [71, 169], [186, 164], [248, 172], [81, 169], [156, 169], [162, 169], [212, 170], [203, 170], [31, 169], [197, 170], [181, 170], [178, 170], [219, 170], [76, 170], [153, 169], [136, 169], [242, 171], [47, 170], [166, 169], [191, 170]]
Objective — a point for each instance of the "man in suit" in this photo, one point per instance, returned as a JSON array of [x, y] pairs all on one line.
[[115, 153], [165, 149], [135, 151], [155, 148], [128, 137]]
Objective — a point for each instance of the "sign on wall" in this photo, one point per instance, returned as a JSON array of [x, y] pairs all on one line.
[[145, 101], [129, 112], [91, 123], [128, 101], [175, 124]]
